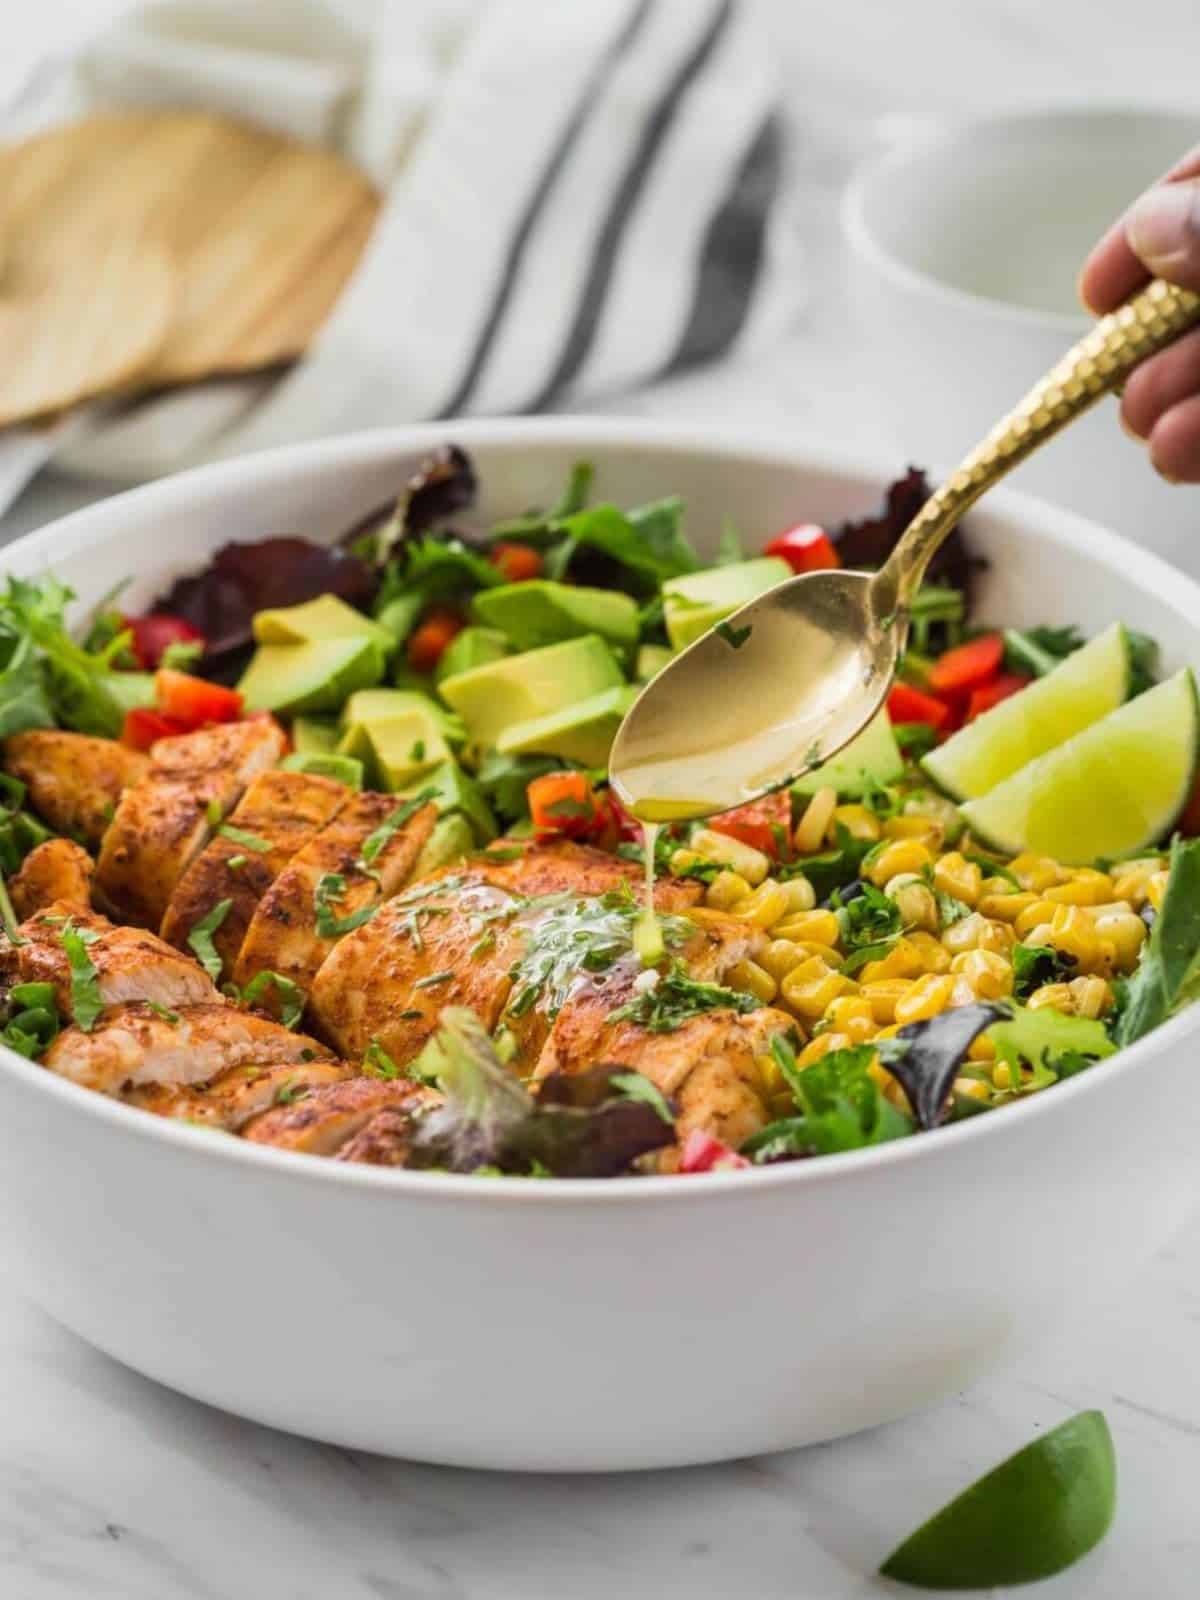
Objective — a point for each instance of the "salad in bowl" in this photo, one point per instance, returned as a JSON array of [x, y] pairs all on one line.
[[318, 852]]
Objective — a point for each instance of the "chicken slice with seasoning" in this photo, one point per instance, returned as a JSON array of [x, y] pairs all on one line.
[[339, 878], [385, 1141], [166, 818], [74, 782], [276, 817], [55, 871], [231, 1100], [128, 964], [134, 1045], [451, 940], [323, 1122]]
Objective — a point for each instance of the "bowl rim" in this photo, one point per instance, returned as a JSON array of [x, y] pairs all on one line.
[[888, 164], [96, 524]]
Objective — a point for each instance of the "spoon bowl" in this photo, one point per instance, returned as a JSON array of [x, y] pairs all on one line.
[[758, 701]]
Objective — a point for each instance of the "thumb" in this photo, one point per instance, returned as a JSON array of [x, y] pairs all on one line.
[[1163, 229]]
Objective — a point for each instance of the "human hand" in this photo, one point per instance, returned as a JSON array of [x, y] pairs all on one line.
[[1159, 236]]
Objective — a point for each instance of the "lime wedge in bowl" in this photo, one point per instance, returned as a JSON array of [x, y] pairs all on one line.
[[1030, 1517], [1084, 687], [1113, 789]]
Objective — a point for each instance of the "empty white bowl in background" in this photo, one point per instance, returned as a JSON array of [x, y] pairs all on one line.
[[966, 243], [575, 1325]]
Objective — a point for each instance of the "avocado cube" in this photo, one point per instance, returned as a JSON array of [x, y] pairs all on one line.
[[342, 769], [697, 601], [582, 732], [405, 746], [454, 790], [540, 612], [872, 757], [451, 839], [533, 684], [327, 617], [651, 659], [315, 676], [473, 647], [315, 735], [377, 705]]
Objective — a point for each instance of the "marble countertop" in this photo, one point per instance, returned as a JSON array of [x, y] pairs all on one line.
[[113, 1487]]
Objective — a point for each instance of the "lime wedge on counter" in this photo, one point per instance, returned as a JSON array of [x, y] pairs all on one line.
[[1030, 1517], [1110, 791], [1086, 686]]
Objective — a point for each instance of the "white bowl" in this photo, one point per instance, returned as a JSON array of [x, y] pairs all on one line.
[[965, 247], [576, 1325]]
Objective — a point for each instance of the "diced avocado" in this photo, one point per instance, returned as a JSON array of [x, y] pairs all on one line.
[[131, 690], [317, 676], [473, 647], [451, 839], [582, 732], [873, 757], [343, 769], [455, 791], [694, 603], [327, 617], [399, 616], [376, 705], [405, 746], [651, 659], [315, 735], [541, 612], [533, 684], [356, 744]]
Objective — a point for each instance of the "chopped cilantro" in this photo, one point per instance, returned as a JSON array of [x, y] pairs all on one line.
[[86, 1000], [290, 1091], [200, 939], [214, 813], [330, 887], [1036, 964], [375, 842], [248, 841], [915, 739], [292, 998], [434, 978], [417, 751], [735, 638], [839, 1107], [677, 998], [162, 1011], [376, 1062], [636, 1087], [236, 863]]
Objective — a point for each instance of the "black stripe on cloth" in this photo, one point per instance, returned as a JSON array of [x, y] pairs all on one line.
[[523, 233], [732, 255], [633, 182]]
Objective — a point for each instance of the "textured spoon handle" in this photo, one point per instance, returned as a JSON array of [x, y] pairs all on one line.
[[1098, 364]]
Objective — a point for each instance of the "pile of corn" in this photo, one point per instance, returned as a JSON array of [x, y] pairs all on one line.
[[1089, 916]]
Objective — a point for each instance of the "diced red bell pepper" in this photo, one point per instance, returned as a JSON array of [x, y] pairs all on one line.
[[563, 803], [967, 666], [906, 704], [805, 548], [764, 824], [1189, 822], [430, 638], [194, 701], [516, 562], [152, 634], [624, 828], [143, 726], [703, 1152], [991, 694]]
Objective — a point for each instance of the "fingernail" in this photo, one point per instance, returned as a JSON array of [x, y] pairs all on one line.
[[1163, 227]]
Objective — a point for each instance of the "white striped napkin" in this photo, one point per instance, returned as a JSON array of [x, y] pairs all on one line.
[[581, 196]]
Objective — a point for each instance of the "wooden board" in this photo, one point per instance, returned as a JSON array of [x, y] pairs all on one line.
[[260, 232]]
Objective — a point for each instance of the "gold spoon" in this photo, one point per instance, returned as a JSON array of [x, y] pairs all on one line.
[[792, 677]]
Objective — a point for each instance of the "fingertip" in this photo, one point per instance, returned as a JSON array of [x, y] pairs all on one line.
[[1175, 443]]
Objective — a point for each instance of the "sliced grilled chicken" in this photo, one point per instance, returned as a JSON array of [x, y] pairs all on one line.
[[721, 1091], [231, 1100], [285, 933], [383, 1142], [132, 1045], [280, 811], [450, 940], [323, 1122], [74, 782], [131, 963], [56, 871], [162, 822]]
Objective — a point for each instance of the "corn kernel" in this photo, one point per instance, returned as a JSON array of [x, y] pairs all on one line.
[[823, 1045], [954, 874], [858, 822], [763, 906], [815, 927], [1073, 931], [1032, 917], [881, 996], [1002, 1076], [1090, 996], [1035, 872], [933, 953], [1156, 890], [742, 858], [1006, 905], [989, 975], [914, 900], [810, 830], [977, 932], [801, 894], [981, 1048], [1127, 933], [897, 856], [927, 997], [749, 978], [920, 830], [852, 1015], [925, 803], [1131, 879], [726, 889], [780, 957], [972, 1088], [810, 988], [903, 960], [1056, 996], [1086, 887], [682, 859]]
